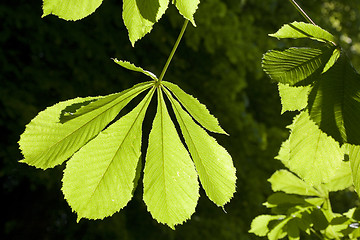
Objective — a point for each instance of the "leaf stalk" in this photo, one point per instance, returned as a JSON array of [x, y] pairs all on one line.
[[173, 50], [302, 12]]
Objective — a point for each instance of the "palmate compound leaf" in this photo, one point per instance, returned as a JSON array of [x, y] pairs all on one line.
[[293, 65], [197, 110], [334, 102], [140, 15], [46, 142], [304, 30], [99, 179], [70, 9], [213, 163], [171, 188], [313, 155]]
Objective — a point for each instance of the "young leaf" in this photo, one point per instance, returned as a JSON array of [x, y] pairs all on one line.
[[287, 182], [314, 156], [140, 15], [213, 163], [132, 67], [187, 8], [46, 142], [70, 9], [342, 178], [99, 179], [304, 30], [334, 102], [293, 65], [293, 98], [171, 188], [197, 110]]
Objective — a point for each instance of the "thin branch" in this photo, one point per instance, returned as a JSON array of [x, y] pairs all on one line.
[[173, 50], [302, 12]]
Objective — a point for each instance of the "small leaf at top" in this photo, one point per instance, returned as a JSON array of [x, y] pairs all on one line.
[[70, 9], [132, 67], [293, 98], [197, 110], [187, 8], [140, 15], [293, 65], [171, 188], [213, 163], [283, 180], [334, 102], [99, 179], [314, 156], [304, 30], [46, 142]]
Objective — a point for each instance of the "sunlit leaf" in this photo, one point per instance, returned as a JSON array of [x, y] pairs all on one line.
[[70, 9], [294, 65], [283, 180], [140, 16], [187, 8], [46, 142], [293, 98], [213, 163], [353, 152], [197, 110], [99, 179], [334, 102], [259, 225], [342, 178], [314, 156], [132, 67], [171, 188], [304, 30]]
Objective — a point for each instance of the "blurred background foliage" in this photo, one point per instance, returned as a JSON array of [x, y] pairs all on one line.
[[44, 61]]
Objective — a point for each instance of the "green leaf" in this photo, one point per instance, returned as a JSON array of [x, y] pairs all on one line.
[[304, 30], [334, 102], [213, 163], [278, 231], [70, 9], [342, 178], [259, 225], [314, 156], [140, 15], [284, 153], [171, 188], [99, 179], [293, 230], [293, 98], [187, 8], [197, 110], [293, 65], [353, 152], [283, 180], [132, 67], [46, 142]]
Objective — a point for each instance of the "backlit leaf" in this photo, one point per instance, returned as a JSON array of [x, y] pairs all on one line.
[[283, 180], [314, 156], [334, 102], [294, 65], [46, 142], [259, 225], [140, 15], [353, 152], [132, 67], [293, 98], [304, 30], [213, 163], [171, 188], [70, 9], [187, 8], [99, 179], [197, 110]]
